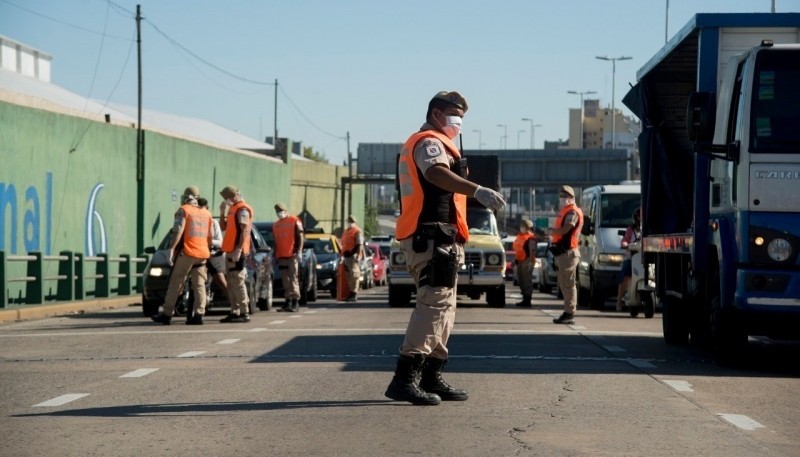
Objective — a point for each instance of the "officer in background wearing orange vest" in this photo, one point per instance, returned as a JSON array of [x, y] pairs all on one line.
[[432, 229], [525, 253], [565, 250], [288, 234], [192, 227], [236, 219], [353, 253]]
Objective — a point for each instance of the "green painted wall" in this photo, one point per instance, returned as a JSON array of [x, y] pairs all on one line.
[[316, 192]]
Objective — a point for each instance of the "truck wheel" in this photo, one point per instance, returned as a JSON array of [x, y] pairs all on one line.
[[313, 293], [648, 305], [674, 321], [496, 298], [728, 338], [398, 297]]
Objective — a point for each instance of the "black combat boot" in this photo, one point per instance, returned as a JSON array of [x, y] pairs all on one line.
[[404, 385], [431, 381], [526, 302], [295, 305]]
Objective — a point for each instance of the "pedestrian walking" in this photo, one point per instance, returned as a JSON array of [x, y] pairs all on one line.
[[192, 232], [632, 235], [565, 250], [525, 254], [432, 229], [288, 234], [236, 219], [353, 253]]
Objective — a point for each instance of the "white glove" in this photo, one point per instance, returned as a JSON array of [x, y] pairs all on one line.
[[171, 254], [489, 198], [236, 255]]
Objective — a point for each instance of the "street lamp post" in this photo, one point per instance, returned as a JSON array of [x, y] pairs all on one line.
[[518, 132], [480, 142], [504, 137], [587, 92], [533, 131], [613, 88]]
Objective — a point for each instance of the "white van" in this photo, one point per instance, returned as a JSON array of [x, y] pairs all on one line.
[[607, 211]]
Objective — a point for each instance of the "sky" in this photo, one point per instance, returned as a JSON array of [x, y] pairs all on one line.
[[367, 67]]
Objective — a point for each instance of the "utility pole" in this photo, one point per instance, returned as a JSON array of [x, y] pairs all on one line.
[[613, 95], [139, 141], [350, 175], [284, 157]]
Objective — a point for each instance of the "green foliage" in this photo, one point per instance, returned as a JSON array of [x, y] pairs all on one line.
[[371, 226], [309, 153]]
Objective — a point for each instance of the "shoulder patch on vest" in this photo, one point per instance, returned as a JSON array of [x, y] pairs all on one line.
[[433, 150]]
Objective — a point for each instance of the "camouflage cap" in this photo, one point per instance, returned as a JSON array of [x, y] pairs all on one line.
[[229, 191], [280, 207], [454, 98], [568, 190], [527, 223], [351, 218], [191, 190]]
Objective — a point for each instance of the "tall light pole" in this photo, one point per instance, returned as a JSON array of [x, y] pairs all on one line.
[[533, 131], [613, 87], [518, 132], [480, 142], [504, 137], [587, 92]]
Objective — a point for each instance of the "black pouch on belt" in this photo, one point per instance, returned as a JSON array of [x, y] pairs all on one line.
[[442, 270]]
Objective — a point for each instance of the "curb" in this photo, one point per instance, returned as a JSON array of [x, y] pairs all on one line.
[[29, 312]]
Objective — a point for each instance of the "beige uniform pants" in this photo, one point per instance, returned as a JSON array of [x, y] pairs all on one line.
[[525, 277], [187, 266], [237, 290], [353, 273], [432, 319], [290, 277], [567, 263]]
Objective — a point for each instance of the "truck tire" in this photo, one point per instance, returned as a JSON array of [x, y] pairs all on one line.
[[674, 321], [399, 296], [496, 298], [728, 337], [648, 305]]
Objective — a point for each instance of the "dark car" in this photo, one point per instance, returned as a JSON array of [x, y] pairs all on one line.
[[258, 265], [308, 267], [547, 269], [326, 248]]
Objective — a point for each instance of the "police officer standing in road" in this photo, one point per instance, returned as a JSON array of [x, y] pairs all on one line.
[[565, 249], [192, 227], [525, 252], [216, 263], [353, 253], [236, 219], [288, 234], [432, 229]]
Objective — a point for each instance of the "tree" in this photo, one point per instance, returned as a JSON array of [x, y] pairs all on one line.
[[309, 153]]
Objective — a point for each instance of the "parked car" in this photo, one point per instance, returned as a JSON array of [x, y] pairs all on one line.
[[379, 262], [367, 266], [308, 267], [547, 270], [258, 265], [327, 250]]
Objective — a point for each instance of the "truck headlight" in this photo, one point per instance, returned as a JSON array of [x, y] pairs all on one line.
[[610, 259], [400, 258], [156, 271], [493, 259], [779, 249]]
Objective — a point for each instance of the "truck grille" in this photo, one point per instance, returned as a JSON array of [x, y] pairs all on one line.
[[473, 258]]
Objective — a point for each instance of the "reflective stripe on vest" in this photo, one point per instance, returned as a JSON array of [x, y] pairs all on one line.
[[284, 230], [411, 195], [232, 228], [576, 232], [519, 245], [349, 238], [196, 232]]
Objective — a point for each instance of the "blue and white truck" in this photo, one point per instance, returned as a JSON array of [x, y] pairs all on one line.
[[720, 160]]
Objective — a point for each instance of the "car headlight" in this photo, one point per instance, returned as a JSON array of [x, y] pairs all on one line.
[[537, 263], [493, 259], [156, 271], [613, 259], [400, 258], [319, 266], [779, 249]]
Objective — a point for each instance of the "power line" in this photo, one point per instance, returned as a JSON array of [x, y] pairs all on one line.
[[83, 29], [306, 117]]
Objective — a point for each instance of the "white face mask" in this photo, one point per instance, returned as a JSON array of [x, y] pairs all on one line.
[[564, 201], [452, 126], [282, 214], [349, 225]]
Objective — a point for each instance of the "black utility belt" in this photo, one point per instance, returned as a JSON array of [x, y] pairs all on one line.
[[440, 232]]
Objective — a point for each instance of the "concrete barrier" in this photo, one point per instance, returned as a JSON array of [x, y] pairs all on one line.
[[29, 312]]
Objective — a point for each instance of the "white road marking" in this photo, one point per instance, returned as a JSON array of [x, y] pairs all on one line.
[[229, 341], [295, 317], [139, 373], [62, 400], [641, 363], [741, 421], [567, 331], [614, 349], [191, 354], [577, 327], [312, 311], [278, 322], [257, 329], [680, 386]]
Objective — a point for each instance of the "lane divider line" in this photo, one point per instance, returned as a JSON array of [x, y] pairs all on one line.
[[680, 386], [257, 329], [741, 421], [139, 373], [191, 354], [614, 349], [229, 341], [295, 317], [577, 327], [278, 322], [640, 363], [311, 311], [62, 400]]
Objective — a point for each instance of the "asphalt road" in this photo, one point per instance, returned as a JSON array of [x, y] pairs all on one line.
[[115, 384]]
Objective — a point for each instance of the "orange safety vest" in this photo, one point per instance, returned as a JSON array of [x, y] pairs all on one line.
[[519, 245], [232, 233], [349, 238], [576, 232], [196, 232], [411, 196], [284, 230]]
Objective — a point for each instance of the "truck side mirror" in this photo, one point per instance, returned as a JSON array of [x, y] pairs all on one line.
[[701, 116], [621, 232], [588, 227]]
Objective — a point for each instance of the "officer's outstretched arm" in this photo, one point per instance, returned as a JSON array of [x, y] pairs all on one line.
[[440, 176]]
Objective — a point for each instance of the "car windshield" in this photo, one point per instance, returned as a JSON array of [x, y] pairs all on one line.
[[481, 221], [321, 246], [265, 230], [385, 250], [617, 209], [541, 250], [776, 96]]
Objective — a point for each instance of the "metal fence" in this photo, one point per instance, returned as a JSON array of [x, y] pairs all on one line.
[[73, 277]]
